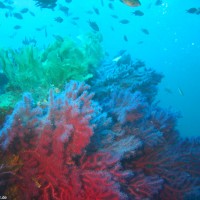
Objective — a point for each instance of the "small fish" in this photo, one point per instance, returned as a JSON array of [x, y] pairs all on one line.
[[75, 18], [121, 52], [180, 91], [112, 28], [74, 23], [110, 5], [96, 10], [168, 90], [32, 13], [131, 3], [58, 38], [124, 21], [116, 59], [24, 10], [40, 28], [17, 27], [192, 10], [158, 2], [8, 14], [93, 25], [145, 31], [114, 16], [64, 9], [119, 55], [51, 4], [140, 42], [125, 38], [18, 15], [89, 12], [149, 5], [59, 19], [28, 41], [68, 1], [138, 13]]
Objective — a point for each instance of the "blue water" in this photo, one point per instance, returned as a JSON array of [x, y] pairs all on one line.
[[172, 46]]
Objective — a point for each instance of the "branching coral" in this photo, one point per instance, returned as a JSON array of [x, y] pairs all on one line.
[[120, 146], [51, 145], [125, 75]]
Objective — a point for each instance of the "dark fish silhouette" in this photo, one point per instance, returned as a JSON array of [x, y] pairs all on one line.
[[24, 10], [124, 21], [75, 18], [110, 5], [17, 27], [32, 13], [8, 14], [138, 13], [168, 90], [193, 11], [28, 41], [59, 19], [114, 16], [96, 10], [18, 15], [68, 1], [112, 28], [40, 29], [145, 31], [74, 23], [89, 12], [64, 9], [58, 38], [93, 25], [158, 2], [125, 38], [46, 3], [140, 42]]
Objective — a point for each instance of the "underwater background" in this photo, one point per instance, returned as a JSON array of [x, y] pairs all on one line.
[[127, 118]]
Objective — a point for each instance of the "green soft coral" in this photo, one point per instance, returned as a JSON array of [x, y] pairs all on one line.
[[22, 67], [34, 70], [29, 68], [64, 61]]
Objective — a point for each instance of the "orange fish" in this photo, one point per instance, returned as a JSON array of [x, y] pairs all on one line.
[[132, 3]]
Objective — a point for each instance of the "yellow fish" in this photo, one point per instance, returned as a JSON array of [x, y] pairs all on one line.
[[132, 3]]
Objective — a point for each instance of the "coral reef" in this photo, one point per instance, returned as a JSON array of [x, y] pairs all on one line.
[[106, 140]]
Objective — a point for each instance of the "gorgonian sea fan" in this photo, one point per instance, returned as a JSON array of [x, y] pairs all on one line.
[[49, 150], [51, 143]]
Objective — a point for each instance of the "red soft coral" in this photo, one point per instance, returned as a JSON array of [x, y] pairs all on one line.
[[55, 165]]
